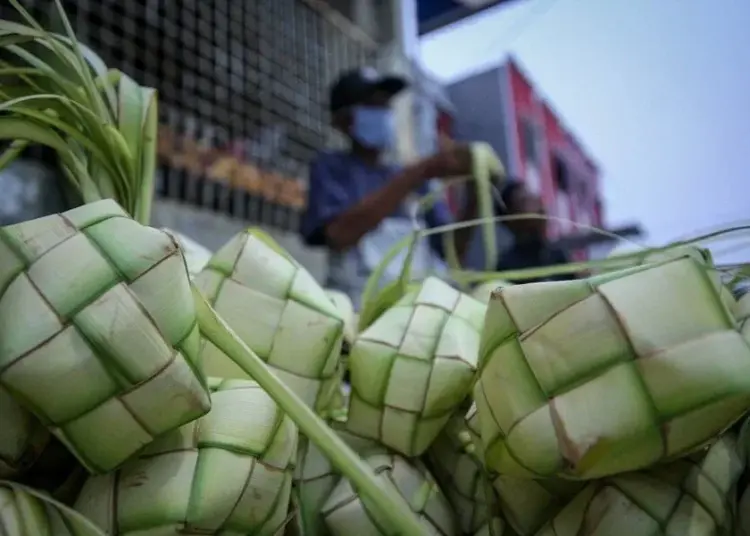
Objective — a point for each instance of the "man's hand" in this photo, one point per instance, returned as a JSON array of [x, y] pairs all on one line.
[[452, 160]]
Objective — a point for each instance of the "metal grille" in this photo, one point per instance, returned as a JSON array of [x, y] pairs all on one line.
[[242, 86]]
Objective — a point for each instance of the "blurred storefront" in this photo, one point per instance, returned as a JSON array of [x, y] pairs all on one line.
[[243, 103]]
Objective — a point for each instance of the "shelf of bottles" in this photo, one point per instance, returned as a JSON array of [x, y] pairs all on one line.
[[242, 91]]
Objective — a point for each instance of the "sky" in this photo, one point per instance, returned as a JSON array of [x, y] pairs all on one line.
[[658, 91]]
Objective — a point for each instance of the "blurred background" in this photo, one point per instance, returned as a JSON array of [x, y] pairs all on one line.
[[627, 115]]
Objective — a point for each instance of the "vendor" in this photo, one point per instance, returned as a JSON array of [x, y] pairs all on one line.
[[359, 207]]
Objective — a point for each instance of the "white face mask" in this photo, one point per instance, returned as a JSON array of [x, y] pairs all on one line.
[[374, 127]]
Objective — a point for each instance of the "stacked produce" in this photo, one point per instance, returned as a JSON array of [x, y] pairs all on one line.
[[266, 297], [346, 513], [228, 471], [214, 404]]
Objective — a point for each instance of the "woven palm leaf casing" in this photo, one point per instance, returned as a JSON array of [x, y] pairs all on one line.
[[589, 378], [701, 255], [525, 503], [97, 331], [24, 511], [689, 497], [23, 437], [347, 514], [461, 475], [196, 255], [314, 479], [229, 472], [413, 367], [276, 307]]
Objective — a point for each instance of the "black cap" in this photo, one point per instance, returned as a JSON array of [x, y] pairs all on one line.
[[355, 87]]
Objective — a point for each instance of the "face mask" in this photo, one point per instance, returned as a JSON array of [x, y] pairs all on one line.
[[373, 127]]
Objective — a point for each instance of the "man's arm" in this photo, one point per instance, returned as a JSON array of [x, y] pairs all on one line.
[[337, 221], [352, 224]]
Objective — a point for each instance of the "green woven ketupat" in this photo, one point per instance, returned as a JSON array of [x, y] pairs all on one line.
[[276, 307], [346, 514], [461, 475], [689, 497], [414, 366], [98, 334], [584, 379], [525, 503], [227, 473], [314, 480]]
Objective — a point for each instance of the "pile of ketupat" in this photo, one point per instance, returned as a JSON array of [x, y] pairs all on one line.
[[136, 399]]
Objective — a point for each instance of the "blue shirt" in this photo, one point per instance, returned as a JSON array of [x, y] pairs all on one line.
[[338, 181]]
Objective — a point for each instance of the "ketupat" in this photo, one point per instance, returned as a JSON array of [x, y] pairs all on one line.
[[278, 309], [58, 93], [24, 511], [578, 378], [525, 503], [315, 478], [346, 513], [227, 473], [414, 366], [103, 128], [693, 496], [91, 297], [461, 476]]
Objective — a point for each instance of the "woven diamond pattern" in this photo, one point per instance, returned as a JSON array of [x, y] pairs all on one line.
[[229, 472], [314, 480], [97, 331], [346, 514], [412, 368], [525, 503], [276, 307], [460, 475], [589, 378], [690, 496]]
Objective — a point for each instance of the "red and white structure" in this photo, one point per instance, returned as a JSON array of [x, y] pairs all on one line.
[[503, 107]]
